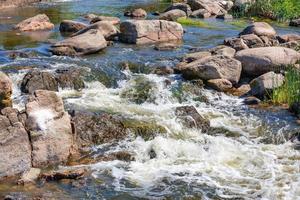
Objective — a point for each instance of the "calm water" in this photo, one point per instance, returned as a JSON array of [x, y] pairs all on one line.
[[257, 163]]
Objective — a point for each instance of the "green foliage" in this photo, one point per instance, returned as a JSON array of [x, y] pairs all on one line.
[[190, 22], [273, 9], [289, 92]]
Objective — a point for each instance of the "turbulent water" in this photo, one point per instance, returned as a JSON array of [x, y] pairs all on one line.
[[250, 158]]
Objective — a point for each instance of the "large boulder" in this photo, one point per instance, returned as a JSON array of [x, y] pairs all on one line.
[[259, 29], [265, 84], [94, 129], [172, 15], [189, 117], [108, 30], [38, 80], [5, 91], [214, 67], [71, 26], [49, 127], [37, 23], [257, 61], [181, 6], [212, 7], [150, 31], [89, 42], [15, 149]]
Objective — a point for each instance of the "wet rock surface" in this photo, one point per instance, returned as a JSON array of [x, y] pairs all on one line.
[[37, 23], [5, 91]]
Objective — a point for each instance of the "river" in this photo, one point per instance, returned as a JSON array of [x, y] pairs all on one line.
[[250, 158]]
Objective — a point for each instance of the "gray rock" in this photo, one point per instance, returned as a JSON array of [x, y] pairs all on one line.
[[136, 13], [259, 29], [236, 43], [221, 85], [5, 91], [36, 23], [15, 149], [251, 101], [257, 61], [201, 13], [112, 20], [214, 67], [172, 15], [150, 31], [181, 6], [288, 38], [37, 80], [223, 50], [265, 84], [70, 26], [252, 41], [89, 42], [49, 128]]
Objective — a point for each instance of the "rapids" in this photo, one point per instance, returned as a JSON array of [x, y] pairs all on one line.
[[250, 157]]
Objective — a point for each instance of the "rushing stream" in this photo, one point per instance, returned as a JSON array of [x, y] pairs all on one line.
[[250, 158]]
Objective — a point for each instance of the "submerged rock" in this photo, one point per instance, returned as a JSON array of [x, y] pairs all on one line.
[[70, 78], [150, 31], [38, 80], [15, 149], [251, 101], [265, 84], [257, 61], [71, 26], [136, 13], [63, 174], [5, 91], [259, 29], [49, 128], [37, 23], [189, 117], [89, 42], [214, 67]]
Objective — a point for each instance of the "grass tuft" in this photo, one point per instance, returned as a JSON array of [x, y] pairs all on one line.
[[190, 22]]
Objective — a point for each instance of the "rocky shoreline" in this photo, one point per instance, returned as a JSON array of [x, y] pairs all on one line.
[[45, 135]]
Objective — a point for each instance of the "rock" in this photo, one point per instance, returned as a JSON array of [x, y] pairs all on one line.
[[223, 50], [225, 16], [257, 61], [70, 78], [295, 22], [227, 5], [189, 117], [181, 6], [30, 176], [252, 41], [172, 15], [37, 80], [269, 41], [70, 26], [63, 174], [49, 128], [201, 13], [291, 45], [37, 23], [259, 29], [89, 42], [5, 91], [214, 67], [251, 101], [94, 129], [295, 108], [212, 7], [221, 85], [166, 46], [107, 29], [15, 149], [264, 84], [150, 31], [136, 13], [288, 38], [112, 20], [236, 43], [188, 58], [163, 71], [240, 91]]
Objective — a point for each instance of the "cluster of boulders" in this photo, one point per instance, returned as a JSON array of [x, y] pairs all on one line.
[[249, 65], [198, 9]]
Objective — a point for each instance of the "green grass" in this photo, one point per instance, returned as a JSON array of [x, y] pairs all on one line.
[[191, 22], [281, 10], [289, 92]]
